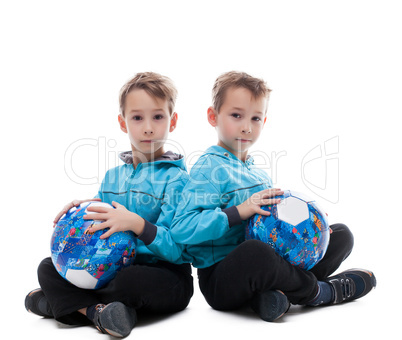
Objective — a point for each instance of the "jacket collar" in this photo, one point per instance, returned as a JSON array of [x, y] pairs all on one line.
[[169, 156], [222, 152]]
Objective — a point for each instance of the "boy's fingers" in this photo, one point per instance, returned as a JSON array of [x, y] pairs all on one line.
[[270, 193], [59, 215], [106, 235], [91, 200], [95, 227], [116, 205], [263, 212], [270, 201], [76, 203], [96, 217], [98, 209], [275, 192], [67, 207]]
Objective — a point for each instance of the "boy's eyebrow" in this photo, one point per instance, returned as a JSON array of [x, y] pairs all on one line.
[[237, 109], [240, 109], [141, 111]]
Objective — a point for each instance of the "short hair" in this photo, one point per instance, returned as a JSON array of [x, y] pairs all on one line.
[[154, 84], [234, 79]]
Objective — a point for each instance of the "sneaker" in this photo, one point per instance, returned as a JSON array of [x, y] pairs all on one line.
[[351, 284], [115, 319], [36, 303], [270, 305]]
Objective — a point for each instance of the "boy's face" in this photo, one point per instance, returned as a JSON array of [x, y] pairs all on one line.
[[147, 122], [239, 122]]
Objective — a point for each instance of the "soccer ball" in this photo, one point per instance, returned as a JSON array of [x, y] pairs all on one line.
[[297, 229], [81, 257]]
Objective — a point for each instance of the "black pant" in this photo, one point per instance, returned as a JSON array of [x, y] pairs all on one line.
[[255, 267], [158, 288]]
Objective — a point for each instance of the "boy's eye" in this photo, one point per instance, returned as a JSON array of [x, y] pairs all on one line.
[[257, 119], [235, 115], [137, 118], [158, 117]]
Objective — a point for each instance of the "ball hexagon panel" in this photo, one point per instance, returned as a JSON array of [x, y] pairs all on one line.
[[293, 211]]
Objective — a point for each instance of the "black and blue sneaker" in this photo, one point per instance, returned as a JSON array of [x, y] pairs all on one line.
[[36, 303], [351, 284]]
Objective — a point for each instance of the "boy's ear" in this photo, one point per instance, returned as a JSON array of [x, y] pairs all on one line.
[[265, 119], [212, 116], [122, 123], [173, 121]]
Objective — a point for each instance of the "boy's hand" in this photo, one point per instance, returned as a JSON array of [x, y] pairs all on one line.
[[119, 219], [70, 205], [253, 205]]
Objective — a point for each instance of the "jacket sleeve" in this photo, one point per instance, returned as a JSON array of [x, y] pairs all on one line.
[[157, 236], [101, 187], [199, 217]]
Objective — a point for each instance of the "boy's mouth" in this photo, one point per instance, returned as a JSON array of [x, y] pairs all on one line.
[[147, 141], [242, 140]]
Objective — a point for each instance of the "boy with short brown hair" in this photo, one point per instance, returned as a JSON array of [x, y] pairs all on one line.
[[143, 205], [224, 190]]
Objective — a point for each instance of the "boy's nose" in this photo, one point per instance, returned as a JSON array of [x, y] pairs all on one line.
[[246, 129], [148, 129]]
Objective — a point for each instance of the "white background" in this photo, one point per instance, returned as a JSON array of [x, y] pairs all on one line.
[[335, 71]]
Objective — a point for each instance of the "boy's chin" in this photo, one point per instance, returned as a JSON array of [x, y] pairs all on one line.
[[151, 152], [241, 148]]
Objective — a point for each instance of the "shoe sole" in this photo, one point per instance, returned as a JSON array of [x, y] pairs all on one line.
[[29, 302], [125, 316], [278, 305]]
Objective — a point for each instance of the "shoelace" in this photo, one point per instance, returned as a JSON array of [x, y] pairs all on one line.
[[346, 288]]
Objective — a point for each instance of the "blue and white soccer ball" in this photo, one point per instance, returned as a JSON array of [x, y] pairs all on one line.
[[297, 229], [82, 258]]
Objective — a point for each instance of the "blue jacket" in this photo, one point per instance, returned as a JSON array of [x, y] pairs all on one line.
[[152, 191], [206, 219]]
